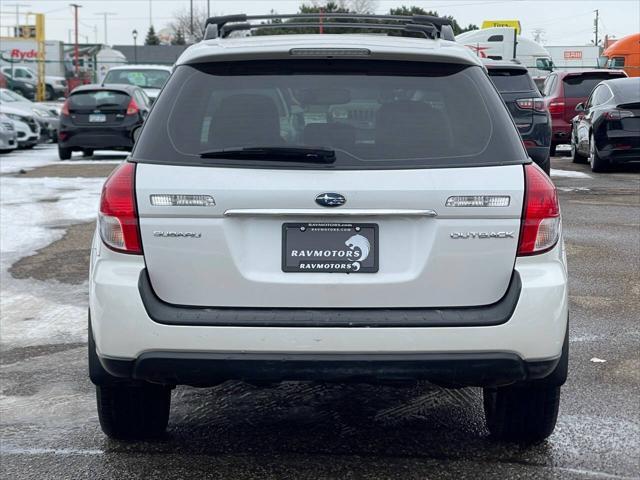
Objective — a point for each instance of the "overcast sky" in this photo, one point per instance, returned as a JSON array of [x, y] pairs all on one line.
[[565, 22]]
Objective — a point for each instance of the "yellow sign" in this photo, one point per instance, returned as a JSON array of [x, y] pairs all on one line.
[[503, 23]]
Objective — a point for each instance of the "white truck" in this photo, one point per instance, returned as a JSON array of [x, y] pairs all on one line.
[[571, 57], [503, 43]]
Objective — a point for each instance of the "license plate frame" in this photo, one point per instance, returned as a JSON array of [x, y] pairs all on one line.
[[97, 118], [314, 237]]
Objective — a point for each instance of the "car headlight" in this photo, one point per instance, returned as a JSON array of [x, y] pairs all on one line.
[[14, 116]]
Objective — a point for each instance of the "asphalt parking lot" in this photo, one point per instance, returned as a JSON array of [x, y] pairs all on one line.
[[49, 426]]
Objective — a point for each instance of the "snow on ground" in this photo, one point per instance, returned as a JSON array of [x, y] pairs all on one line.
[[569, 174], [32, 212]]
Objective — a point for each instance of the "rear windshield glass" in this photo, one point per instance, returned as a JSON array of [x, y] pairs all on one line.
[[99, 99], [372, 114], [580, 86], [507, 80], [140, 78]]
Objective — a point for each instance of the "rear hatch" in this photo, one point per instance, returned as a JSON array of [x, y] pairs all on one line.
[[98, 107], [419, 206], [578, 86]]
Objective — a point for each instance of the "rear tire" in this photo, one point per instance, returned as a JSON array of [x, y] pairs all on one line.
[[526, 414], [552, 150], [598, 165], [64, 153], [87, 152], [49, 93], [129, 411], [576, 156]]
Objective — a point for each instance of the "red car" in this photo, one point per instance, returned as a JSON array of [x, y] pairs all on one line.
[[563, 90]]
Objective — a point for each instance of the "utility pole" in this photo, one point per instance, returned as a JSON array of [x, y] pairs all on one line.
[[191, 19], [76, 50], [595, 27], [208, 8], [17, 5], [104, 17]]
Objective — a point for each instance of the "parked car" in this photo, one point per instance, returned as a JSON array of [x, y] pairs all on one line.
[[151, 78], [527, 108], [25, 123], [339, 208], [606, 130], [97, 117], [49, 122], [563, 90], [8, 134], [25, 89], [55, 86]]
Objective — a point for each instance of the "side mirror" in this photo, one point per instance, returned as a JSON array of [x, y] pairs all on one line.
[[580, 107], [136, 133]]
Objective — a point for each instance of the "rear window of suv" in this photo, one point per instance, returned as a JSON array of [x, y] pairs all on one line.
[[373, 114], [580, 86], [511, 80]]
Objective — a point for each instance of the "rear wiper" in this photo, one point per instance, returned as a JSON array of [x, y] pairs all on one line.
[[275, 154]]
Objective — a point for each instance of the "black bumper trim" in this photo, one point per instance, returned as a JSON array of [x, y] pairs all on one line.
[[169, 314], [479, 369]]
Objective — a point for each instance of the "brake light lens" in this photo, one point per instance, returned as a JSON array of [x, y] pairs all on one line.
[[556, 108], [617, 114], [132, 108], [536, 104], [540, 227], [65, 108], [118, 219]]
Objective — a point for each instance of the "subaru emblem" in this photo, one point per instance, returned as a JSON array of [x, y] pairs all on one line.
[[330, 200]]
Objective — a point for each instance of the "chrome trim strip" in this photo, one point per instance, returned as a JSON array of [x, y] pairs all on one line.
[[333, 212]]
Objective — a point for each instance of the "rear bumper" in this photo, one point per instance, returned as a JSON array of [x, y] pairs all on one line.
[[168, 314], [480, 369], [560, 131], [103, 138]]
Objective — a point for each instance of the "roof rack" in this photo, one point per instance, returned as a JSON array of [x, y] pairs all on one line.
[[427, 25]]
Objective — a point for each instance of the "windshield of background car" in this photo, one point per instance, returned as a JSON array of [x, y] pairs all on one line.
[[511, 80], [98, 100], [580, 86], [374, 114], [141, 78]]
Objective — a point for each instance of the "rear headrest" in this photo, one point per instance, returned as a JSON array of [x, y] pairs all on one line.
[[245, 120]]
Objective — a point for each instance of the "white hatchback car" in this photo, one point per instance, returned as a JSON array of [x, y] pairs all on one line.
[[353, 208]]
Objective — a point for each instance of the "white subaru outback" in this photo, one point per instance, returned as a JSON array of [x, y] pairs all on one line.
[[343, 208]]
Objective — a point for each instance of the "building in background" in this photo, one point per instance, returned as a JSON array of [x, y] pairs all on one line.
[[151, 54]]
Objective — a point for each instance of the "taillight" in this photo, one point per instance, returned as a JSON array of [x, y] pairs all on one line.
[[617, 114], [118, 218], [536, 104], [556, 108], [132, 108], [540, 227], [65, 108]]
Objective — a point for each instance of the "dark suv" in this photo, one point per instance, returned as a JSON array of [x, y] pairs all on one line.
[[526, 106], [563, 91]]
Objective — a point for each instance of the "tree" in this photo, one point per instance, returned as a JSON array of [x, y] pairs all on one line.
[[152, 38], [413, 10], [178, 38], [183, 22]]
